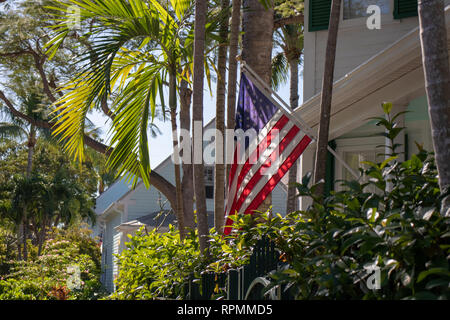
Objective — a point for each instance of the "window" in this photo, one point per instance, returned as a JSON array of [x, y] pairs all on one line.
[[319, 14], [358, 8], [209, 192], [319, 10], [405, 8], [209, 182], [354, 151], [209, 175]]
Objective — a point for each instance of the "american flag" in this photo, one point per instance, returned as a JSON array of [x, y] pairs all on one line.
[[267, 158]]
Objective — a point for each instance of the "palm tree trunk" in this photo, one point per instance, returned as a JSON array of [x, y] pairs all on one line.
[[25, 236], [257, 24], [173, 119], [31, 144], [187, 179], [19, 240], [199, 71], [41, 237], [327, 92], [219, 172], [291, 202], [433, 39], [232, 67]]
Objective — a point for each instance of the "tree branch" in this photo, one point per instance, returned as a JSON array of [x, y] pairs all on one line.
[[290, 20], [160, 183], [39, 63], [15, 53], [106, 110]]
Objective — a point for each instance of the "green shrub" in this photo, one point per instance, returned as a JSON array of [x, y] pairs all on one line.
[[8, 250], [156, 265], [397, 228], [46, 276]]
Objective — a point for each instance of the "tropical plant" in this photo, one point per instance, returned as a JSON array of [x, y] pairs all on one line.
[[343, 238], [332, 250], [54, 274], [219, 168], [156, 264], [232, 67], [197, 118], [28, 73], [8, 248], [18, 129], [56, 192], [257, 41]]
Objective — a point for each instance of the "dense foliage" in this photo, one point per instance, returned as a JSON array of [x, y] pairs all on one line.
[[156, 264], [325, 252], [57, 192], [57, 196], [54, 274]]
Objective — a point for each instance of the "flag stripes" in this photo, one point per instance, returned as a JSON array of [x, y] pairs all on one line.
[[267, 158]]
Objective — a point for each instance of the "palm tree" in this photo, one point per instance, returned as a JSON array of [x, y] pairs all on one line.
[[232, 66], [18, 129], [187, 180], [433, 39], [199, 182], [140, 47], [257, 25], [290, 39], [325, 103], [219, 172]]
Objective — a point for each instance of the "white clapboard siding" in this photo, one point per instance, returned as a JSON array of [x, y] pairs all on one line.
[[116, 251], [355, 45], [110, 235]]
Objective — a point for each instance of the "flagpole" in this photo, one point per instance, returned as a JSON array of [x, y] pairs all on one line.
[[286, 110]]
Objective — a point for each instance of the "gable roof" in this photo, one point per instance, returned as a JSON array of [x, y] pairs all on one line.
[[157, 219], [116, 191]]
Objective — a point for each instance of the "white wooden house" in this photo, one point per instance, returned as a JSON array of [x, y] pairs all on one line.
[[372, 66]]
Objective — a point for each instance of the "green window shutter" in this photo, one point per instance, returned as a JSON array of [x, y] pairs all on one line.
[[405, 8], [319, 14]]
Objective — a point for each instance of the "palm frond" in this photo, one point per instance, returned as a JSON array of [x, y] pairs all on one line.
[[130, 127], [135, 43], [280, 70], [9, 131]]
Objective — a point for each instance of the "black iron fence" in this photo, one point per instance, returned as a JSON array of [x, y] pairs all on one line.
[[249, 282]]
